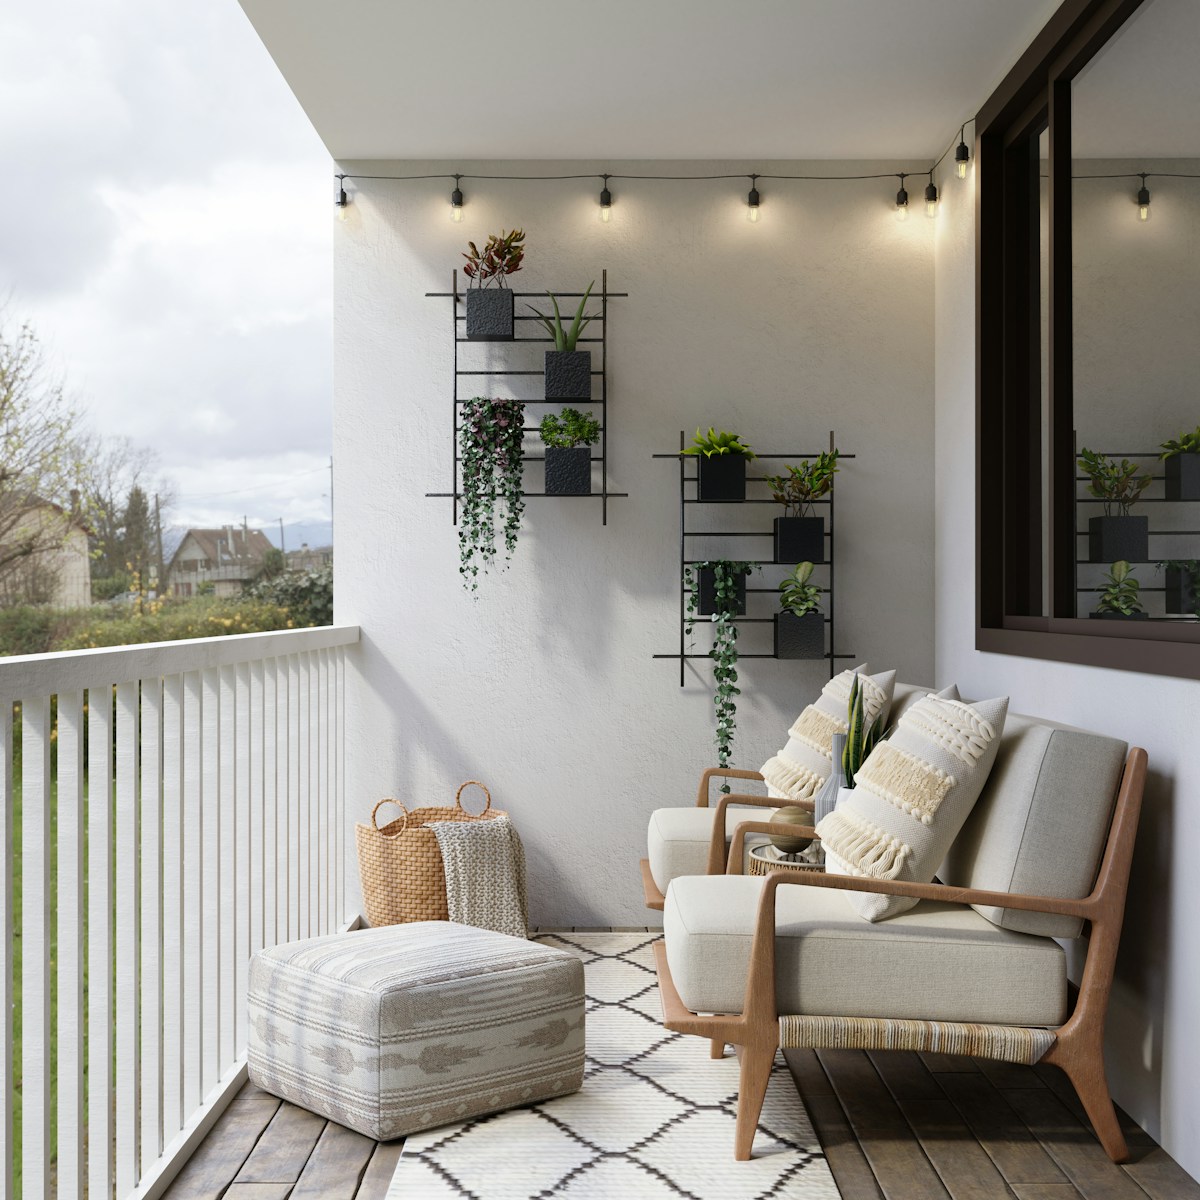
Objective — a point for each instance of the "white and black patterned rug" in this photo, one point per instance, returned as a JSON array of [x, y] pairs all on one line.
[[655, 1117]]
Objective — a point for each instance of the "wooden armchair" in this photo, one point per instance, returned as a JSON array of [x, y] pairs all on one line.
[[770, 1019]]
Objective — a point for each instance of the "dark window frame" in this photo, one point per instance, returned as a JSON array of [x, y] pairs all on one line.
[[1008, 531]]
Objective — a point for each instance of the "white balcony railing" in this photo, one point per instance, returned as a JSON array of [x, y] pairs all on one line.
[[181, 805]]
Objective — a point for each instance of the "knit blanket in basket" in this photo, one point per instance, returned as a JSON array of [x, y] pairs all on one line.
[[485, 874]]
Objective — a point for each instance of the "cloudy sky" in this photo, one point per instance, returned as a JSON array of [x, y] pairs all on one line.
[[167, 225]]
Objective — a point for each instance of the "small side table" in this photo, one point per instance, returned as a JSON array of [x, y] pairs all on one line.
[[764, 858]]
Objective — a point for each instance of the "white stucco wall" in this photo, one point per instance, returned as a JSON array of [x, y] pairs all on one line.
[[1153, 1044], [817, 318]]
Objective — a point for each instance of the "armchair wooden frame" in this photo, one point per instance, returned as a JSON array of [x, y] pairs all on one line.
[[716, 849], [1077, 1046]]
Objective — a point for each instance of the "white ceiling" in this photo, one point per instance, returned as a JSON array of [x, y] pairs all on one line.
[[629, 79]]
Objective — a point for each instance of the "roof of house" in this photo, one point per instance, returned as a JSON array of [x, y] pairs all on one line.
[[227, 546]]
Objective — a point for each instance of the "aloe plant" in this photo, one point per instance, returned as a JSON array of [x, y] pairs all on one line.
[[566, 339], [713, 444], [860, 737]]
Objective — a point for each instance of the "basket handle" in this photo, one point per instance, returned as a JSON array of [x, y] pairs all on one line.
[[375, 824], [475, 783]]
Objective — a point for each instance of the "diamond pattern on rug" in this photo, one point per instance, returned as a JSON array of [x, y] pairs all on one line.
[[655, 1117]]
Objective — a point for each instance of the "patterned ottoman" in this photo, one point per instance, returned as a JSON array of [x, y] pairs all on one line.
[[407, 1027]]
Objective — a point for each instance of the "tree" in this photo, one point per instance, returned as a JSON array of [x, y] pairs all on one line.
[[38, 466], [138, 540]]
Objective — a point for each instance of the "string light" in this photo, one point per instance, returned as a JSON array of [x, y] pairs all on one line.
[[931, 198], [1143, 199], [605, 201], [752, 201], [902, 198], [456, 201], [343, 201], [962, 156]]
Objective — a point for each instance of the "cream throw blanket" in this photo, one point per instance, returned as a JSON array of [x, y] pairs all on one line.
[[485, 874]]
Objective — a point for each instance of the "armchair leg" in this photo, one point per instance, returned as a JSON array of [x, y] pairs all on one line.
[[756, 1065], [1086, 1073], [718, 1048]]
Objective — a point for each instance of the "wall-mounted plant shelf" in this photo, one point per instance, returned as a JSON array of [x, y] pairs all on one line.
[[1175, 550], [688, 496], [458, 310]]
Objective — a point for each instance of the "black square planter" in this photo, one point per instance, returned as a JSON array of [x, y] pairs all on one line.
[[490, 315], [1111, 539], [1180, 585], [799, 637], [799, 539], [722, 478], [568, 471], [568, 374], [1183, 477], [707, 601], [1107, 616]]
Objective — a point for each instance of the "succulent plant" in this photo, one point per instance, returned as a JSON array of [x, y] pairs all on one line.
[[713, 444]]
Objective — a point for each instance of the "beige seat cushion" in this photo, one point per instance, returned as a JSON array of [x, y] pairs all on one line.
[[678, 839], [940, 962]]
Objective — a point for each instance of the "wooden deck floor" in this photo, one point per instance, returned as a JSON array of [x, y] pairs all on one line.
[[895, 1126]]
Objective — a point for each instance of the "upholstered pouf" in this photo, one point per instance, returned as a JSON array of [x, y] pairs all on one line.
[[407, 1027]]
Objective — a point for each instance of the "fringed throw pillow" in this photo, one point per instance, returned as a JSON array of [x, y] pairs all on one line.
[[802, 766], [912, 796]]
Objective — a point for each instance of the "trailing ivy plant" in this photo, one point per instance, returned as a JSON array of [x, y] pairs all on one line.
[[569, 429], [724, 653], [1117, 485], [804, 483], [490, 445], [1121, 594]]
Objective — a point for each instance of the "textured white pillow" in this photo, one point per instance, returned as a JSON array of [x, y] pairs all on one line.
[[912, 796], [802, 766]]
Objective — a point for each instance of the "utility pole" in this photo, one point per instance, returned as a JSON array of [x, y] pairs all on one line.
[[160, 583], [245, 535], [282, 547]]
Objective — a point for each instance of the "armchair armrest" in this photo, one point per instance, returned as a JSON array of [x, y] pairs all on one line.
[[722, 773], [716, 845]]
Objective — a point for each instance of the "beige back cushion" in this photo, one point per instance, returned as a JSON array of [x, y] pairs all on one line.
[[904, 696], [1041, 822]]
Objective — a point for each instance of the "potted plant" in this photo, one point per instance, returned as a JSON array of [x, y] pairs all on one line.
[[799, 534], [1119, 600], [568, 371], [1183, 586], [728, 600], [568, 437], [490, 310], [721, 461], [1116, 535], [860, 737], [490, 445], [1182, 458], [800, 626]]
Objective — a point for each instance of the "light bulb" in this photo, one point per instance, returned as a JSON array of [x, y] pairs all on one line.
[[1144, 212], [1143, 201], [960, 168], [962, 156], [752, 201], [606, 213], [901, 212], [931, 200], [456, 202], [752, 214], [902, 202], [456, 213], [343, 204], [605, 203]]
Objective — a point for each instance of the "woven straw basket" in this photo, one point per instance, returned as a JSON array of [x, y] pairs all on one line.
[[400, 865]]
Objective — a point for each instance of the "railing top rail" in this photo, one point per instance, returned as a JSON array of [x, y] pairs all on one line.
[[72, 670]]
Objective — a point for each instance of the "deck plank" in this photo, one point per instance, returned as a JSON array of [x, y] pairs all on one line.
[[851, 1171], [901, 1168], [378, 1175], [283, 1150], [963, 1165], [1073, 1147], [257, 1191], [336, 1166], [1008, 1141], [221, 1155], [1045, 1191]]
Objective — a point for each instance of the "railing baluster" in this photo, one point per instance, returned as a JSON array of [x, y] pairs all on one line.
[[242, 848], [228, 884], [70, 825], [328, 842], [210, 880], [298, 834], [100, 941], [340, 786], [150, 1048], [258, 832], [316, 799], [193, 891], [8, 1152], [127, 937], [273, 910], [35, 945], [172, 908]]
